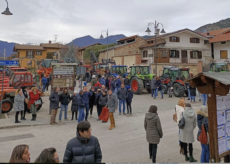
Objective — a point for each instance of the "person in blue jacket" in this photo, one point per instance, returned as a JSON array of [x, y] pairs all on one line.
[[102, 80], [129, 99], [159, 88], [118, 84], [86, 95], [113, 84], [80, 106], [44, 81]]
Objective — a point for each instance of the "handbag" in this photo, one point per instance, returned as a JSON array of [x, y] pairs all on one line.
[[203, 135], [26, 100], [38, 102], [182, 122], [175, 117]]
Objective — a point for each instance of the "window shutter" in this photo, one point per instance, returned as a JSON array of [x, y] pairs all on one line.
[[26, 53], [170, 39], [200, 55], [177, 39], [177, 54], [191, 40], [198, 40], [191, 54]]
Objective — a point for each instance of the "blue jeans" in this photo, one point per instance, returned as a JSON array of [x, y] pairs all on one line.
[[204, 98], [87, 110], [81, 114], [44, 87], [204, 154], [121, 102], [115, 91], [157, 92], [199, 95], [189, 94], [153, 91], [193, 98], [63, 107]]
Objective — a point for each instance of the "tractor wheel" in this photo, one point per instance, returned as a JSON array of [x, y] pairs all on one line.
[[164, 89], [7, 106], [38, 108], [178, 90], [137, 85]]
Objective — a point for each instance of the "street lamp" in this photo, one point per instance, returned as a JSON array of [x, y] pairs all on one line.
[[155, 32], [7, 11], [101, 37]]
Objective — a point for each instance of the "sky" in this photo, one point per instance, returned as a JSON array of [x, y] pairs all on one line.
[[37, 21]]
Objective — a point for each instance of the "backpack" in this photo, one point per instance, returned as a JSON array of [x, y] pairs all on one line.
[[203, 135]]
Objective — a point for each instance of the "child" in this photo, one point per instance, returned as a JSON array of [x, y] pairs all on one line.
[[129, 100], [192, 93], [170, 88]]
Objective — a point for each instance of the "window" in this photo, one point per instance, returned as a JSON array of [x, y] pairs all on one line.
[[174, 39], [133, 71], [222, 42], [174, 54], [29, 63], [194, 40], [223, 54], [206, 41], [145, 54], [195, 54], [39, 53], [29, 54], [163, 53]]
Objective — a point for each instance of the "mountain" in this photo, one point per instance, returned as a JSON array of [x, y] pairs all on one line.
[[88, 40], [8, 46], [224, 23]]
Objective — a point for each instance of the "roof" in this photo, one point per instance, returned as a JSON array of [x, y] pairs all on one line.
[[162, 41], [128, 38], [114, 47], [27, 47], [83, 48], [220, 38], [223, 78], [216, 32], [53, 45], [175, 32], [64, 64]]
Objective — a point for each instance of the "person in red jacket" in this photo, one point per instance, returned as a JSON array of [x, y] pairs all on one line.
[[97, 85], [34, 97]]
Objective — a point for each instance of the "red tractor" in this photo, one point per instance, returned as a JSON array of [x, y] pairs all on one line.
[[177, 75]]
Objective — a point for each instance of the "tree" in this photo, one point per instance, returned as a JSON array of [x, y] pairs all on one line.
[[49, 55], [70, 55]]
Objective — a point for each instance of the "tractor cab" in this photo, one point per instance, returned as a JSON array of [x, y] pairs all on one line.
[[97, 67], [219, 67], [119, 70], [179, 74], [139, 70], [20, 79]]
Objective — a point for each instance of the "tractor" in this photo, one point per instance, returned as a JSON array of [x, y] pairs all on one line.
[[18, 80], [140, 78], [118, 70], [177, 75]]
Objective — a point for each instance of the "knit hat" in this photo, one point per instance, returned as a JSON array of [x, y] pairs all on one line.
[[85, 83], [94, 76], [75, 91], [128, 87]]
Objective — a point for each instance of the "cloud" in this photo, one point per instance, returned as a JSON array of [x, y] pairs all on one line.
[[39, 20]]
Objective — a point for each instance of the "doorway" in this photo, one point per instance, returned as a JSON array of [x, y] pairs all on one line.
[[184, 56]]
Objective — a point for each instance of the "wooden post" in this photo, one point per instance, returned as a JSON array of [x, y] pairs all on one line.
[[212, 121]]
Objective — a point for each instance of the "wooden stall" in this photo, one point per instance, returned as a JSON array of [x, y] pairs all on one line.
[[214, 85]]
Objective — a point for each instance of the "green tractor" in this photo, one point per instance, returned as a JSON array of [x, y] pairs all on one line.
[[219, 67], [140, 79]]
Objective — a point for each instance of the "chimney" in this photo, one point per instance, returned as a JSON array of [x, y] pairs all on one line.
[[50, 42], [208, 33]]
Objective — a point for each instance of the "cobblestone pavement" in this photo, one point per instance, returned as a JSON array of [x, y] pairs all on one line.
[[126, 143]]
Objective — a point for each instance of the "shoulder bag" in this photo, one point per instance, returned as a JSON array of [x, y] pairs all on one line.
[[203, 135], [182, 122]]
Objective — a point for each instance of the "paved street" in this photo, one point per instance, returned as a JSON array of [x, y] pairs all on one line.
[[125, 143]]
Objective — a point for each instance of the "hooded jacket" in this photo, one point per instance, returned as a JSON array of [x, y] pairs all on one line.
[[129, 96], [187, 133], [103, 100], [201, 116], [83, 150], [153, 128]]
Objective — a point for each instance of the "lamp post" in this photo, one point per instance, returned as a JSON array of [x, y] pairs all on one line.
[[7, 11], [156, 31], [101, 37]]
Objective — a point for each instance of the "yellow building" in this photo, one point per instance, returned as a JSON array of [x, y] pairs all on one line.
[[31, 55]]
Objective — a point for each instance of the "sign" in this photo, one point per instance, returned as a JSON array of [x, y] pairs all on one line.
[[81, 71], [8, 62]]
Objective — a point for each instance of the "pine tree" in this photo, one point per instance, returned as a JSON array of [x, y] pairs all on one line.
[[70, 55]]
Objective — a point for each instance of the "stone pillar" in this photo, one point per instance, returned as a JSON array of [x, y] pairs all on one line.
[[200, 66]]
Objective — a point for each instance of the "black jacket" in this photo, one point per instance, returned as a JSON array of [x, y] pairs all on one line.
[[113, 85], [54, 100], [158, 83], [83, 150], [64, 98], [103, 100], [199, 124], [74, 100], [107, 82], [80, 102], [92, 98], [98, 95], [130, 96], [127, 81], [192, 91]]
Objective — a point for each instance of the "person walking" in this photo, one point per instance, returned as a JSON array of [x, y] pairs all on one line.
[[86, 96], [202, 119], [153, 85], [44, 81], [48, 155], [25, 94], [113, 85], [64, 99], [74, 107], [170, 88], [107, 80], [20, 154], [112, 104], [97, 85], [92, 101], [127, 81], [159, 88], [192, 93], [187, 133], [153, 130], [204, 99], [129, 100], [118, 84], [81, 106], [103, 101], [98, 95], [122, 95], [34, 101], [84, 148], [47, 84], [102, 80], [19, 100], [37, 78], [54, 105], [188, 86]]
